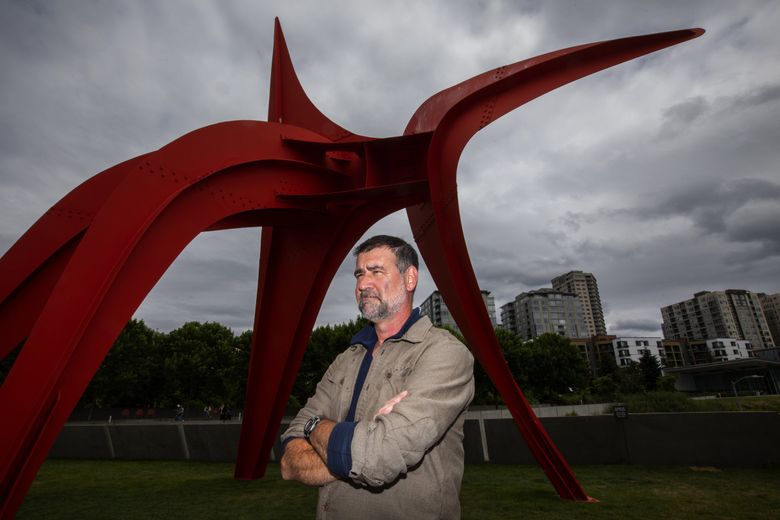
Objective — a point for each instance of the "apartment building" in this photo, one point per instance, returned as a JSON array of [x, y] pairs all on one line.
[[718, 349], [435, 308], [770, 303], [624, 350], [673, 352], [734, 313], [628, 349], [586, 288], [534, 313]]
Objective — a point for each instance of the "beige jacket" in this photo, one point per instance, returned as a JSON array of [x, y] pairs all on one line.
[[407, 464]]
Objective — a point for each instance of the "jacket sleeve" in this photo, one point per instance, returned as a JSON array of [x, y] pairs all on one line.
[[323, 403], [440, 386]]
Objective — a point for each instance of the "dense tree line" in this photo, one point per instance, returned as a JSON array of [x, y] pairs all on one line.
[[203, 364], [197, 364]]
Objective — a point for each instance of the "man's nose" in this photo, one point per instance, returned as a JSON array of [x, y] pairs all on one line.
[[365, 283]]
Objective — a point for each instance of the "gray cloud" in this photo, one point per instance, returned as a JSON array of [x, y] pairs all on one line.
[[681, 115], [709, 203], [637, 325]]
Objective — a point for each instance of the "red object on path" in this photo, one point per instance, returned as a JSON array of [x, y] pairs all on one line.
[[70, 284]]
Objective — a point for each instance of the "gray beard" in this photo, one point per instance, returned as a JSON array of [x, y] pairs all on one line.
[[380, 311], [374, 313]]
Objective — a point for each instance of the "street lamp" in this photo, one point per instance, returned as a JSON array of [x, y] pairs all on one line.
[[734, 386]]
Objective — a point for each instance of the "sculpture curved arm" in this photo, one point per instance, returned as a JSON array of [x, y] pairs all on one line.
[[471, 105]]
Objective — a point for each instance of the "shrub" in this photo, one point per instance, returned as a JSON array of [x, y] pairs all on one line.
[[658, 402]]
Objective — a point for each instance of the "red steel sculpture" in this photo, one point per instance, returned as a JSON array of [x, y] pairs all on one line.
[[71, 283]]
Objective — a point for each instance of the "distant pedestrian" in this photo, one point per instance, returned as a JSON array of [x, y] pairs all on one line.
[[224, 413], [207, 412], [179, 413]]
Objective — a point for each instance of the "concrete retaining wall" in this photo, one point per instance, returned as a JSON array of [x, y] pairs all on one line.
[[747, 439]]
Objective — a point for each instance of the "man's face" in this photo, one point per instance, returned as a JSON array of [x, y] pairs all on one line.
[[380, 289]]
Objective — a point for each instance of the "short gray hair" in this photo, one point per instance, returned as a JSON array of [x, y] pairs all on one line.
[[405, 255]]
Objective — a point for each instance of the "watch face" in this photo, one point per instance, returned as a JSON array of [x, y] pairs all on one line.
[[309, 426]]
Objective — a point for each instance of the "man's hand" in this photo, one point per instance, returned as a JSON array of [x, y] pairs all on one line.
[[300, 462], [388, 406]]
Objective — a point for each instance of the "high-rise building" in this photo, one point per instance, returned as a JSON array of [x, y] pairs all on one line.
[[509, 316], [534, 313], [734, 313], [770, 303], [587, 290], [435, 308]]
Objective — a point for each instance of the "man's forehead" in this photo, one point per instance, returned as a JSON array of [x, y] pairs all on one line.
[[378, 255]]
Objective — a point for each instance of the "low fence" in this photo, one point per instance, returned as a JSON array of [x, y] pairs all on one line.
[[723, 439]]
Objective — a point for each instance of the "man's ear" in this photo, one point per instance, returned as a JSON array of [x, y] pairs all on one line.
[[410, 278]]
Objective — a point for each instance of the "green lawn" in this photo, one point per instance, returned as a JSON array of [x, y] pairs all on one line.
[[171, 490]]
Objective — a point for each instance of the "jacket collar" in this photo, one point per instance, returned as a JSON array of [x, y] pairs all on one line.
[[368, 338]]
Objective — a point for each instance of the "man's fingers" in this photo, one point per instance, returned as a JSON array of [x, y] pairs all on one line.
[[397, 399], [386, 409], [388, 406]]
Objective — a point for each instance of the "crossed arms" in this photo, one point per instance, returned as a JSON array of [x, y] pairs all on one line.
[[306, 461]]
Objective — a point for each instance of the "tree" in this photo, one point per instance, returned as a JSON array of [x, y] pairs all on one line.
[[604, 387], [199, 362], [554, 367], [131, 373], [629, 378], [607, 365], [239, 369], [651, 370], [667, 383]]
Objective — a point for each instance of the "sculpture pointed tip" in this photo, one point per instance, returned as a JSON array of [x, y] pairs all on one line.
[[287, 102]]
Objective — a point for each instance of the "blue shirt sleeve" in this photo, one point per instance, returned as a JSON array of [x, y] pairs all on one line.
[[340, 449], [286, 441]]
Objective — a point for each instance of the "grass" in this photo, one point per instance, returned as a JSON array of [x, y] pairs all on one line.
[[678, 402], [645, 492], [172, 490], [763, 403]]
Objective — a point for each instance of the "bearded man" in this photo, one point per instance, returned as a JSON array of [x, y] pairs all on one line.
[[383, 434]]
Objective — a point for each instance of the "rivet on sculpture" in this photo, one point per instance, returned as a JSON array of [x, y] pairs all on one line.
[[73, 280]]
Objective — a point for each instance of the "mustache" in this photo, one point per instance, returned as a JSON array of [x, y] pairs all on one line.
[[368, 294]]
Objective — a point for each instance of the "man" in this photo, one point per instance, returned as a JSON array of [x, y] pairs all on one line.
[[383, 433]]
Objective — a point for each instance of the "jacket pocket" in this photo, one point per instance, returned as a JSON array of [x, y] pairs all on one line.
[[395, 379]]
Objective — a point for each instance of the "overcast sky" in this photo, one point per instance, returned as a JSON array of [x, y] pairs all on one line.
[[660, 176]]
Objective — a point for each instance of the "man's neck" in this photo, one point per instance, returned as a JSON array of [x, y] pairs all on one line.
[[390, 327]]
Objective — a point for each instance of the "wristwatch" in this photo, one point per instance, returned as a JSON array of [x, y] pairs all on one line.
[[310, 425]]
